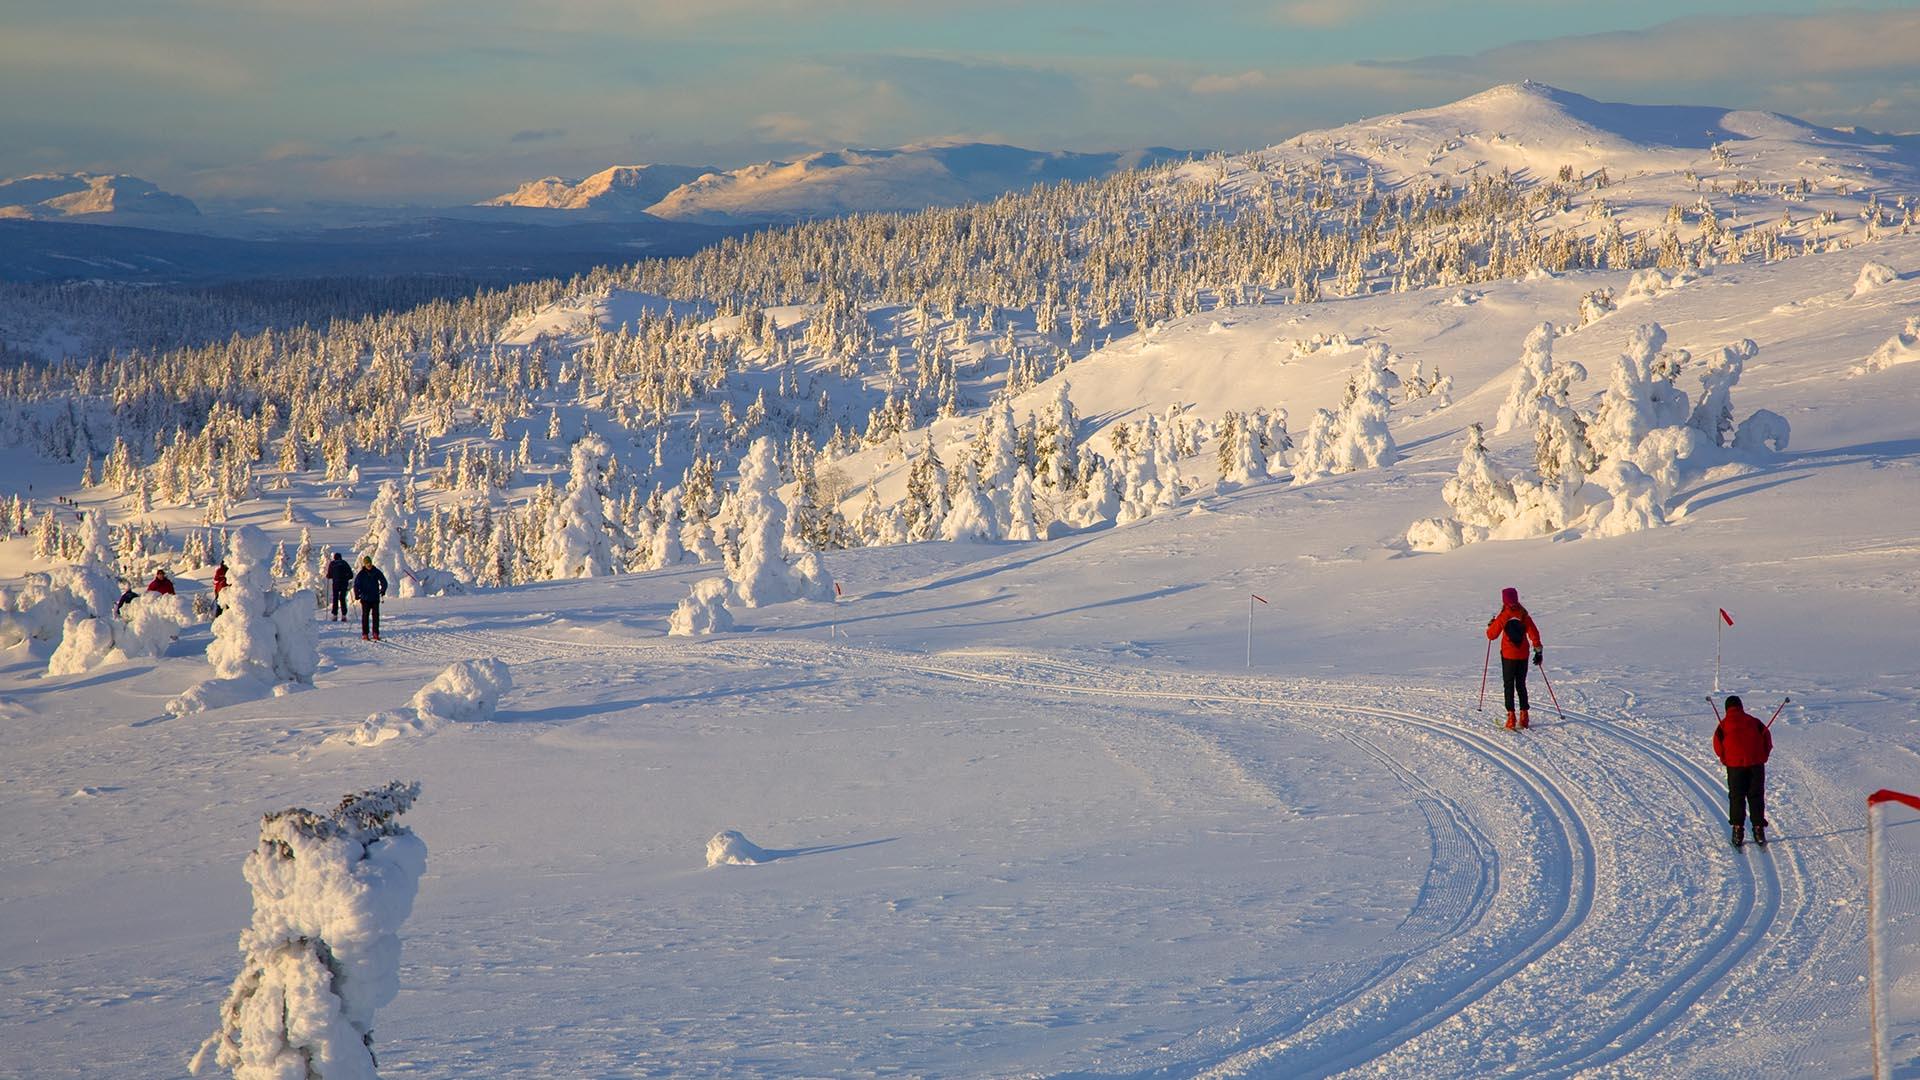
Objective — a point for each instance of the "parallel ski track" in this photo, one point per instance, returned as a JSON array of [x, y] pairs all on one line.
[[1757, 900]]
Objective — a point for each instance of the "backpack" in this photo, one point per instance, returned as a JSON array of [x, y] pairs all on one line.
[[1516, 632]]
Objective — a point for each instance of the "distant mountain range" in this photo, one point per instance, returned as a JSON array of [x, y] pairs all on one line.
[[621, 190], [824, 184], [98, 198]]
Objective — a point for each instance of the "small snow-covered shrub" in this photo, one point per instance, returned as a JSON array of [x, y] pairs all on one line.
[[1762, 433], [729, 848], [330, 893], [704, 611]]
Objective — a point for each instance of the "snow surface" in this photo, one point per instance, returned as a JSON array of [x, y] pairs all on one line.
[[1047, 820]]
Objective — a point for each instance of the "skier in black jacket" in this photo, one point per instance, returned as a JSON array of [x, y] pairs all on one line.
[[369, 585], [340, 575]]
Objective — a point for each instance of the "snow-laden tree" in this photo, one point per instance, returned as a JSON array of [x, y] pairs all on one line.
[[260, 638], [972, 516], [1100, 497], [1243, 459], [387, 539], [1529, 382], [759, 568], [1480, 494], [1002, 446], [578, 542], [1361, 437], [322, 956], [1021, 523], [1056, 456]]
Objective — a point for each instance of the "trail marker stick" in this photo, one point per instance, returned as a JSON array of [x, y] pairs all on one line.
[[1484, 665], [1251, 597], [1876, 974]]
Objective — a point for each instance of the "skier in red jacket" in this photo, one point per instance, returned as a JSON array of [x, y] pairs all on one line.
[[1515, 629], [161, 583], [1743, 745]]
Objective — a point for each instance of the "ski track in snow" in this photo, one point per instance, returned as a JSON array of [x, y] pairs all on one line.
[[1469, 985]]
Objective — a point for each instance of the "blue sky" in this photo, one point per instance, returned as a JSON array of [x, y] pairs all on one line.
[[451, 100]]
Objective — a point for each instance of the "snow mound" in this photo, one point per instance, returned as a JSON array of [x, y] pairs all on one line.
[[467, 692], [729, 848], [1873, 275], [704, 611], [1901, 348]]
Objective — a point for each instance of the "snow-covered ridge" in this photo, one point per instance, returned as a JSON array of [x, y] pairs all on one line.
[[1536, 130], [827, 183], [94, 196], [621, 189]]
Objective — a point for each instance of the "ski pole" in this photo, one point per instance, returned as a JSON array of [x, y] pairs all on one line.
[[1484, 665], [1776, 711], [1551, 696], [1715, 708]]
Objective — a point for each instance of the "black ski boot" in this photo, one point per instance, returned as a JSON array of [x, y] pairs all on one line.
[[1760, 835], [1739, 835]]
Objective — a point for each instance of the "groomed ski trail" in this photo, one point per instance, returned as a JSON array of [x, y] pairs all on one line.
[[1409, 1013]]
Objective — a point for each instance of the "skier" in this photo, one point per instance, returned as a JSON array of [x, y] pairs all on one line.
[[127, 596], [161, 583], [369, 585], [219, 583], [1514, 627], [340, 575], [1743, 744]]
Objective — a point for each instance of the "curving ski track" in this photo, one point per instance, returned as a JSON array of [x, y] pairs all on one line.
[[1380, 1017]]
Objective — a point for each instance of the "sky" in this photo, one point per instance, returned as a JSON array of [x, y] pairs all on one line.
[[448, 101]]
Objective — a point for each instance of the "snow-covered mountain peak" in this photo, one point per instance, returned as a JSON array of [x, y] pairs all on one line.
[[52, 196], [619, 189]]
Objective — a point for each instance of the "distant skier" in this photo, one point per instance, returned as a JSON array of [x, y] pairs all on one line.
[[127, 596], [1514, 627], [1743, 744], [369, 585], [161, 583], [340, 576], [219, 586]]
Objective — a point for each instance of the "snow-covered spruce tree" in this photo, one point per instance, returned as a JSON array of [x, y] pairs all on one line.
[[972, 515], [260, 639], [1021, 523], [759, 569], [1713, 416], [322, 956], [387, 539], [578, 543], [1313, 456], [1242, 459], [1479, 493], [1361, 437], [1529, 382], [1056, 460]]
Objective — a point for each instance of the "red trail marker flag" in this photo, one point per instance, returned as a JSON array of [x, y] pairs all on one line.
[[1253, 596], [1728, 620]]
